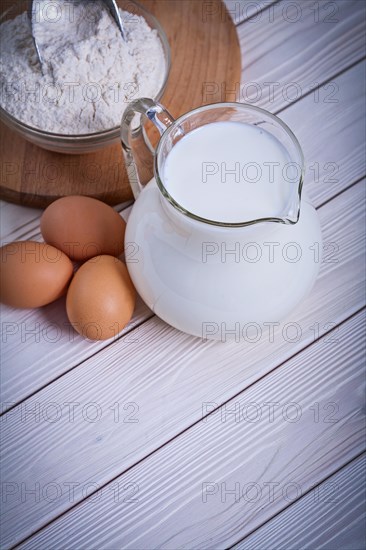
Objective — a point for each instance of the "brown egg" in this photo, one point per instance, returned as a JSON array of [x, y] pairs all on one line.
[[83, 227], [33, 274], [101, 298]]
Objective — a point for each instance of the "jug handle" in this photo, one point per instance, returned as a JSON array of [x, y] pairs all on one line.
[[137, 149]]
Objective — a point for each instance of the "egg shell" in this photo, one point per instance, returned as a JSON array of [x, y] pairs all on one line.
[[33, 274], [101, 298], [83, 227]]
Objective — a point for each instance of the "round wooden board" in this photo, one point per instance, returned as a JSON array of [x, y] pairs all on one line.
[[205, 56]]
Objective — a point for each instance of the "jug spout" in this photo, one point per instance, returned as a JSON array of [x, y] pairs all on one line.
[[293, 207], [275, 195]]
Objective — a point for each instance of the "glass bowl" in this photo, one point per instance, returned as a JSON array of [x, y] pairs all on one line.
[[81, 143]]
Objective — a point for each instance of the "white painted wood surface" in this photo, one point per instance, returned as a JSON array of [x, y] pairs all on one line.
[[183, 490], [168, 375], [297, 46], [330, 517]]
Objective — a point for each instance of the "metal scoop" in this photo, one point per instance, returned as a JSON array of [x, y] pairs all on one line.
[[110, 4]]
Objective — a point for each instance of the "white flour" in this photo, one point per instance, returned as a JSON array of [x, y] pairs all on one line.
[[90, 73]]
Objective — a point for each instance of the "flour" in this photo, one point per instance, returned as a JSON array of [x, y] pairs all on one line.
[[90, 72]]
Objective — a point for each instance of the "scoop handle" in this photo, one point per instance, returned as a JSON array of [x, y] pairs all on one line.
[[138, 152], [116, 14], [31, 11]]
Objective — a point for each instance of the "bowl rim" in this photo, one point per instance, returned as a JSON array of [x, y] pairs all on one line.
[[104, 135]]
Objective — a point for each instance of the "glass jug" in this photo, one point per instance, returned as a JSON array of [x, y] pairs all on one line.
[[217, 278]]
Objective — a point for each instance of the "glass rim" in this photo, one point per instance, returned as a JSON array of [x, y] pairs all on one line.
[[102, 134], [242, 106]]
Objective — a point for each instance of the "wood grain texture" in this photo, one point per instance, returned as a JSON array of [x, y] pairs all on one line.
[[14, 219], [284, 59], [332, 135], [204, 48], [168, 375], [36, 363], [210, 486], [331, 517]]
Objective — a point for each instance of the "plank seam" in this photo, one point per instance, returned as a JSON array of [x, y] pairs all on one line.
[[348, 463], [151, 453], [323, 83], [341, 191], [138, 325]]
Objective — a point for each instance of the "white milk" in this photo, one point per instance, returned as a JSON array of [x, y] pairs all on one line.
[[230, 172]]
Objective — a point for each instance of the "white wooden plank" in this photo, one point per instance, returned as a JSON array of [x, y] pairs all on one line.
[[292, 47], [332, 136], [39, 345], [329, 133], [211, 486], [13, 218], [239, 10], [330, 517], [168, 375]]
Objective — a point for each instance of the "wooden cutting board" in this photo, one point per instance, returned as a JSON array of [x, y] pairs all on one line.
[[206, 64]]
